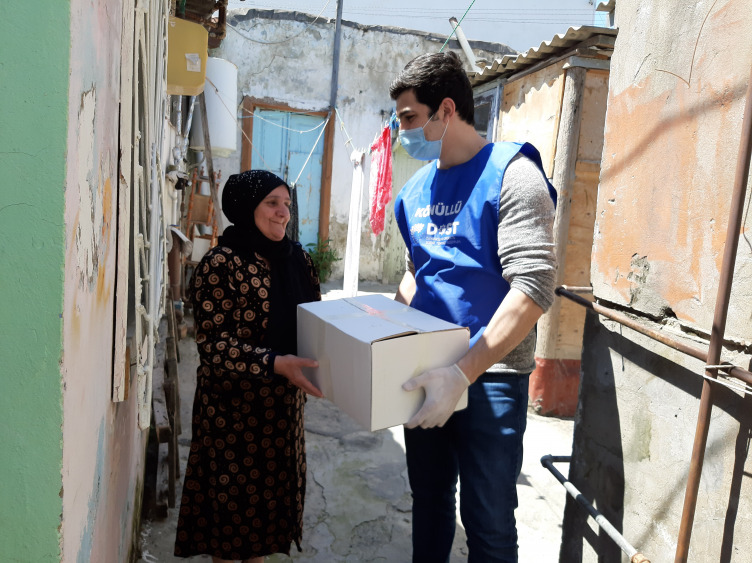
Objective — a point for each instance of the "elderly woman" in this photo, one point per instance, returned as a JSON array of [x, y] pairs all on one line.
[[245, 480]]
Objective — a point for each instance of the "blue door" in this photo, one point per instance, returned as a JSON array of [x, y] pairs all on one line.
[[282, 142]]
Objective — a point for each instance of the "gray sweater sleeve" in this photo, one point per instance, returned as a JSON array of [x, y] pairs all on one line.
[[525, 235], [526, 249]]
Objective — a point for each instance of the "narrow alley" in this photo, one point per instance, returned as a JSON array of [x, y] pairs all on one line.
[[358, 499]]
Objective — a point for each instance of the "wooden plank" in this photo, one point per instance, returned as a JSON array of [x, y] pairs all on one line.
[[172, 394], [162, 483], [159, 401], [568, 135], [594, 103], [172, 378], [121, 359], [530, 111], [576, 267], [246, 148], [207, 150], [172, 451], [159, 407], [326, 178]]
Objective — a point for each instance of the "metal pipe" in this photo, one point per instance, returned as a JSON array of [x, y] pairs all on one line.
[[717, 332], [635, 556], [621, 318], [578, 289], [188, 125], [464, 43], [335, 57]]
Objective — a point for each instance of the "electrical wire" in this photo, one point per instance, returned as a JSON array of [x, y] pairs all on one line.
[[492, 15], [310, 154], [251, 115], [455, 28], [283, 40], [237, 123], [348, 139], [321, 125]]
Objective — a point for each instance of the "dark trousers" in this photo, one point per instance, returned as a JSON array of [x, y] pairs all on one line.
[[482, 445]]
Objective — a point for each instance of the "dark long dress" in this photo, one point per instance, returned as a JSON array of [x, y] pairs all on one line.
[[244, 482]]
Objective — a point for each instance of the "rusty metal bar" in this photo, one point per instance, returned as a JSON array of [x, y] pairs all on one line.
[[578, 289], [635, 556], [719, 326], [621, 318]]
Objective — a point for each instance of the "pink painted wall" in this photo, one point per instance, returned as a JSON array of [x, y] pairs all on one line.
[[103, 450], [671, 143], [677, 85]]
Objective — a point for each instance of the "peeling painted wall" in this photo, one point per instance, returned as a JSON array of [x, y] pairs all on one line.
[[103, 450], [672, 138], [33, 121], [298, 73], [678, 79]]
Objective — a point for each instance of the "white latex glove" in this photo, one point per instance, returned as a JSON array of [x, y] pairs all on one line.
[[444, 387]]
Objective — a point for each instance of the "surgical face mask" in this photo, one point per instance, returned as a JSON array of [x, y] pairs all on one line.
[[416, 144]]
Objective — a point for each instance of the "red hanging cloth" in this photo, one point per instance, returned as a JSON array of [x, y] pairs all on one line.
[[380, 180]]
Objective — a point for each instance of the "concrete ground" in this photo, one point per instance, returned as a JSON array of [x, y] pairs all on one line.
[[358, 499]]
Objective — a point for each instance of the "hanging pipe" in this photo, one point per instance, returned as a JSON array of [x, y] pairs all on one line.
[[717, 332], [188, 124], [621, 318], [635, 556]]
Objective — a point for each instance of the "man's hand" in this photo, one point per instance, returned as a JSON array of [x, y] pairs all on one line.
[[291, 367], [443, 387]]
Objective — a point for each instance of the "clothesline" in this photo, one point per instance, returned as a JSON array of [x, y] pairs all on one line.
[[380, 181]]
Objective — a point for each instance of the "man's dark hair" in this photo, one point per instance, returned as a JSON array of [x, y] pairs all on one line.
[[433, 77]]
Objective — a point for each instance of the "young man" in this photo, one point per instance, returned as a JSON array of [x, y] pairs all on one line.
[[478, 225]]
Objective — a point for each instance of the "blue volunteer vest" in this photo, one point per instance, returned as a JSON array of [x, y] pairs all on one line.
[[449, 221]]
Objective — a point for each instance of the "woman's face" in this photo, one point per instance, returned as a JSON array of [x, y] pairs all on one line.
[[273, 213]]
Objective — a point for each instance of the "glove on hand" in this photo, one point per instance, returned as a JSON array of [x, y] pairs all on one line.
[[443, 387]]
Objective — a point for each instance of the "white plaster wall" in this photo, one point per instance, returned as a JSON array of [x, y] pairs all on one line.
[[298, 73]]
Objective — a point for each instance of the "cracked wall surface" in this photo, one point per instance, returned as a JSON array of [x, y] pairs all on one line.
[[103, 449], [673, 126]]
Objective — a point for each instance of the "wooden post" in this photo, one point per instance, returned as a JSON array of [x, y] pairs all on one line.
[[567, 144]]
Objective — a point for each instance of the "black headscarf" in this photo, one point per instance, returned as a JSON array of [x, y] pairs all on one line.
[[291, 280]]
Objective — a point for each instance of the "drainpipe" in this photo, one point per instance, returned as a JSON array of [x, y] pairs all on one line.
[[326, 175], [188, 124], [464, 43], [717, 332], [335, 58]]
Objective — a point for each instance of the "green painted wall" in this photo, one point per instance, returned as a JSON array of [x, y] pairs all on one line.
[[33, 141]]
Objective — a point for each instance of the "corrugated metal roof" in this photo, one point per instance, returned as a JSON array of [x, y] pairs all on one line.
[[592, 40]]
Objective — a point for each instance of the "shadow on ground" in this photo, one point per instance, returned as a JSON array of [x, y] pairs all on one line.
[[358, 505]]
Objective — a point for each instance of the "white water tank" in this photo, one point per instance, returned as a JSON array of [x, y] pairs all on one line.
[[221, 94]]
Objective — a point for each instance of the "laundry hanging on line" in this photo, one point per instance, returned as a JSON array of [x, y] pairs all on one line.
[[380, 180]]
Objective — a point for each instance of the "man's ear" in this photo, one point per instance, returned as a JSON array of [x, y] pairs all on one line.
[[447, 104]]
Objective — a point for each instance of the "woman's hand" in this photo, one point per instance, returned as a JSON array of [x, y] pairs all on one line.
[[291, 367]]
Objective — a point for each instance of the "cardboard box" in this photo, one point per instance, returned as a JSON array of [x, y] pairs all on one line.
[[367, 347]]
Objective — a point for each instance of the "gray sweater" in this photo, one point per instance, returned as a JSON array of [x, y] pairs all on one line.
[[526, 249]]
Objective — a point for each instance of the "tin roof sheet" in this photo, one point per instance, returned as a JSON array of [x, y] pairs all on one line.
[[591, 40]]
